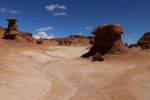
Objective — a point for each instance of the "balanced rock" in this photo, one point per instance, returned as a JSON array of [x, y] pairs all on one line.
[[12, 24], [144, 41], [107, 40], [12, 33], [12, 29]]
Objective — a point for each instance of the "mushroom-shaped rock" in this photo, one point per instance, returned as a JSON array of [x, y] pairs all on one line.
[[12, 24], [107, 40], [12, 29]]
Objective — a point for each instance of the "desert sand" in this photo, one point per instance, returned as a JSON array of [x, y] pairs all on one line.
[[59, 73]]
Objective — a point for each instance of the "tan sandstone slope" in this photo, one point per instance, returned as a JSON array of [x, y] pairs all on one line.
[[55, 73]]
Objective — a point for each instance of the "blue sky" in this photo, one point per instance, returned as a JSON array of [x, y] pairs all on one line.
[[63, 17]]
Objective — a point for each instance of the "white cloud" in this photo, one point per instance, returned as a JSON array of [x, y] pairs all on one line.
[[44, 29], [7, 10], [60, 14], [62, 7], [88, 27], [53, 7], [43, 35], [57, 7]]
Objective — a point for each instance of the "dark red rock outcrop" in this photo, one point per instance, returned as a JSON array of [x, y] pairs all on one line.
[[97, 57], [72, 40], [12, 32], [133, 45], [107, 40], [12, 24], [12, 29], [2, 31], [25, 36], [144, 41]]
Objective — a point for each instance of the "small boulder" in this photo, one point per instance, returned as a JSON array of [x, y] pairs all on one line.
[[97, 57]]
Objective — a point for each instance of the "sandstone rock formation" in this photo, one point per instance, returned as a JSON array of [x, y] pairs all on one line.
[[144, 41], [12, 24], [76, 40], [12, 32], [12, 29], [133, 45], [107, 40], [25, 36], [2, 31], [97, 57]]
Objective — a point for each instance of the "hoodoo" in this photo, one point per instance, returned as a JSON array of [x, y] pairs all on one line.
[[12, 29], [12, 33], [107, 40]]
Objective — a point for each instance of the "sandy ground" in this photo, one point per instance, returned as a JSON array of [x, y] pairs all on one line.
[[58, 73]]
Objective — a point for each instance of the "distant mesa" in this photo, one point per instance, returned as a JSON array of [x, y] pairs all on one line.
[[107, 40], [76, 40]]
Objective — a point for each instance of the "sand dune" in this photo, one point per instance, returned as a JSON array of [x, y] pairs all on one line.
[[58, 73]]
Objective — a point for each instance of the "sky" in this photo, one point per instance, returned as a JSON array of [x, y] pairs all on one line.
[[59, 18]]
